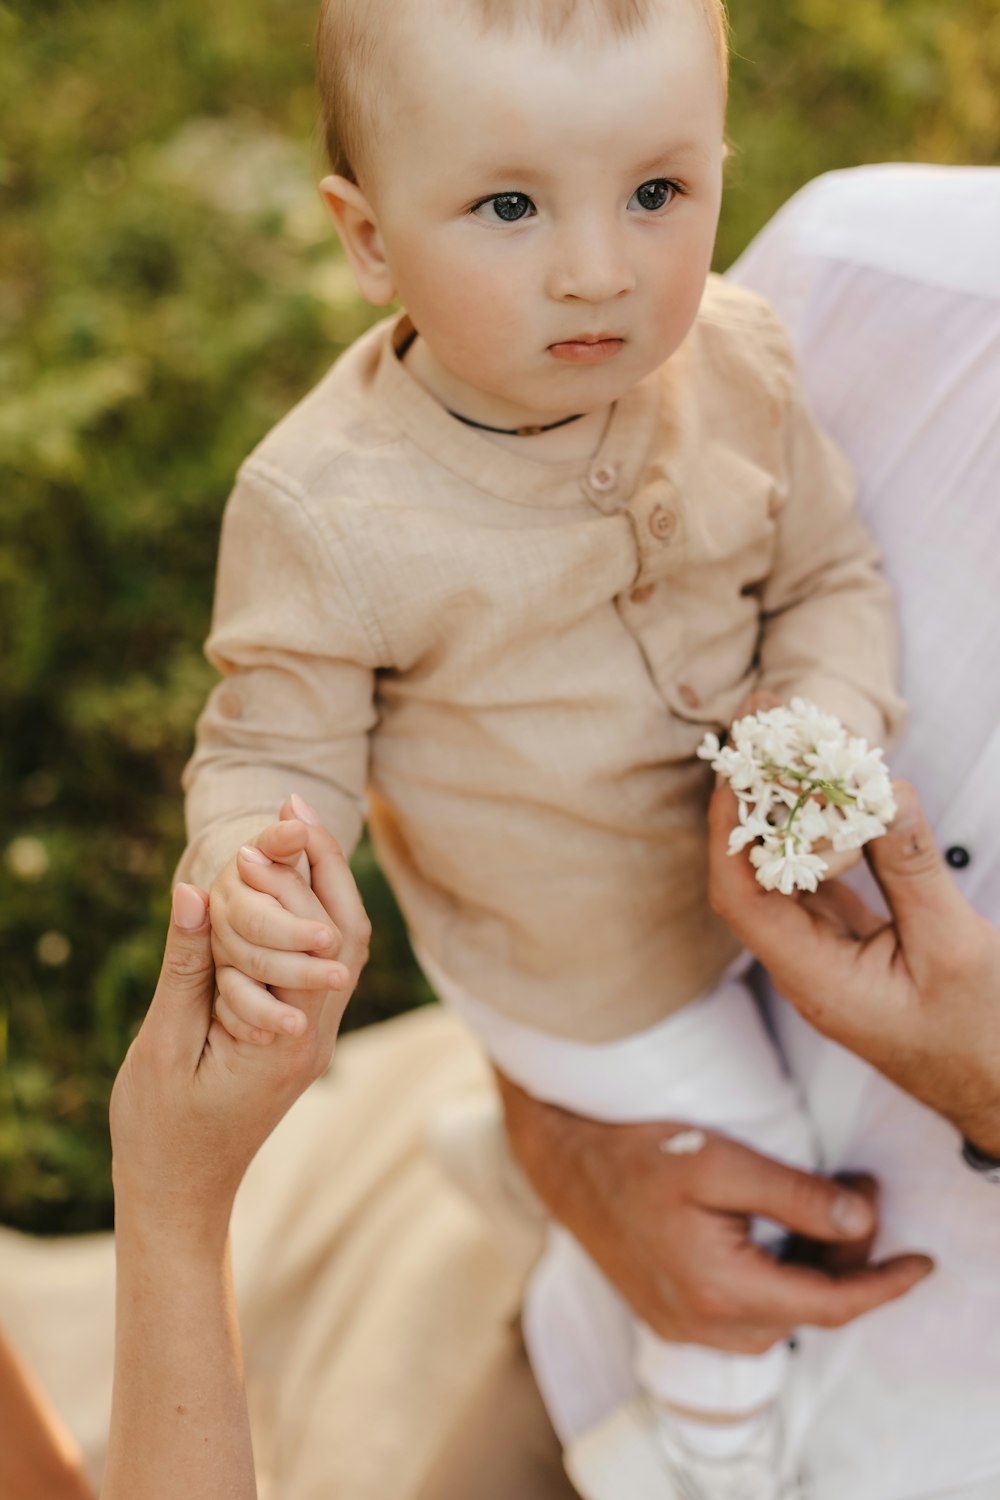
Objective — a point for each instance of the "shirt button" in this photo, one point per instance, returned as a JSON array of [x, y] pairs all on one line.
[[958, 857], [644, 592], [230, 705], [662, 523], [603, 477], [688, 696]]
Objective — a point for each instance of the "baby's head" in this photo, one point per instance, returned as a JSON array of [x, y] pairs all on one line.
[[538, 181]]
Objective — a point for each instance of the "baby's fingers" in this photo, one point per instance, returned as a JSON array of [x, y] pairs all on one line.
[[288, 888], [288, 971], [250, 1013], [265, 918]]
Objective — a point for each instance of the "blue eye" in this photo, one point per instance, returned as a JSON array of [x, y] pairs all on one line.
[[507, 207], [654, 195]]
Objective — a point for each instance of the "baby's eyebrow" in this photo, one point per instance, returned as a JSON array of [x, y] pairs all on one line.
[[675, 151], [525, 175], [507, 171]]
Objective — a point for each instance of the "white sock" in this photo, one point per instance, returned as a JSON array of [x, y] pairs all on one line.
[[715, 1439]]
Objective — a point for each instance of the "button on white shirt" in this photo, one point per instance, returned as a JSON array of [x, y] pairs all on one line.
[[889, 278]]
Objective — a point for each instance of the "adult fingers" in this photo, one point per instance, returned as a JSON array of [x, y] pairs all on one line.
[[763, 920], [791, 1295], [334, 884], [927, 906], [843, 910], [186, 986], [811, 960], [845, 1255], [732, 1178]]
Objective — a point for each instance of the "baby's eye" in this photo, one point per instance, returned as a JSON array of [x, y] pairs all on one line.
[[507, 207], [654, 194]]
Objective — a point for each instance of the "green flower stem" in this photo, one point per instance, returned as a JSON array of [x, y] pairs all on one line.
[[835, 791]]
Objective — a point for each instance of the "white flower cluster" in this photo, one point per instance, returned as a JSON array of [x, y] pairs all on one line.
[[801, 780]]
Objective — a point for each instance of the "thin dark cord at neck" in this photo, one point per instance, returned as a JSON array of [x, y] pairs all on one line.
[[530, 431]]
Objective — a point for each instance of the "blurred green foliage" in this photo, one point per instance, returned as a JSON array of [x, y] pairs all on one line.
[[168, 287]]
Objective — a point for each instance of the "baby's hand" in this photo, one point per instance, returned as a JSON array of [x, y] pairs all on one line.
[[269, 929]]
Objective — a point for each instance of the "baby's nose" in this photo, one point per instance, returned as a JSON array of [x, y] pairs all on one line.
[[591, 266]]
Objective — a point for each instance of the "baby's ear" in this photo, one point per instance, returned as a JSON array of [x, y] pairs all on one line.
[[360, 235]]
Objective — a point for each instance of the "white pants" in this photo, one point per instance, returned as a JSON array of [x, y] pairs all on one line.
[[712, 1064]]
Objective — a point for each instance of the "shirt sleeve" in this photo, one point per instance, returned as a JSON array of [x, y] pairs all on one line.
[[828, 613], [296, 703]]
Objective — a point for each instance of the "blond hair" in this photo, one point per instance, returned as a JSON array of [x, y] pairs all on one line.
[[350, 31]]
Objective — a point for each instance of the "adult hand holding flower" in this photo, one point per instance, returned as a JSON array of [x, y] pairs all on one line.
[[916, 994]]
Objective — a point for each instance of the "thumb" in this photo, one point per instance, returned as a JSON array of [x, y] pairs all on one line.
[[186, 986], [924, 900]]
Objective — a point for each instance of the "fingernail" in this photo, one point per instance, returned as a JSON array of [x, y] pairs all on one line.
[[189, 908], [337, 977], [302, 810], [255, 856], [851, 1216], [322, 938], [293, 1023]]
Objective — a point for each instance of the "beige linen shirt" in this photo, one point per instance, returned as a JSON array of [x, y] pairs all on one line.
[[514, 662]]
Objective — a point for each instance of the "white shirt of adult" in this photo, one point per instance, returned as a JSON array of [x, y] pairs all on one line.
[[889, 278]]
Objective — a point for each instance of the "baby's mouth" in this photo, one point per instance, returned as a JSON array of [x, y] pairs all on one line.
[[587, 349]]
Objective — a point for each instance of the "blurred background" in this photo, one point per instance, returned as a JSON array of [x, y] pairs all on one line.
[[169, 285]]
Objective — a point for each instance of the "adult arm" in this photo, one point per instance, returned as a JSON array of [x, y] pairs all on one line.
[[917, 995], [189, 1110], [672, 1232], [37, 1454]]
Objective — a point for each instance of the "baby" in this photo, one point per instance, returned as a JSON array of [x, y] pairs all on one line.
[[499, 572]]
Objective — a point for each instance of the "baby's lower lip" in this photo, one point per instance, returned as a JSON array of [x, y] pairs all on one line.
[[578, 352]]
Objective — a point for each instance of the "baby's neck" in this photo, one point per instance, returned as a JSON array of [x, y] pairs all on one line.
[[566, 442]]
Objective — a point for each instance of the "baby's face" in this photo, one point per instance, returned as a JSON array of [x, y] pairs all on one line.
[[548, 210]]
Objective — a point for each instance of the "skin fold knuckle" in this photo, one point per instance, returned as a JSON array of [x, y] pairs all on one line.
[[184, 963], [258, 963], [711, 1301], [253, 927]]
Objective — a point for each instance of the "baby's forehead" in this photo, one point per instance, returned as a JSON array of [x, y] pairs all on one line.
[[386, 55]]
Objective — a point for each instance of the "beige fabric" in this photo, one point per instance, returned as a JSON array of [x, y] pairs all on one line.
[[371, 1300], [518, 660], [501, 1445]]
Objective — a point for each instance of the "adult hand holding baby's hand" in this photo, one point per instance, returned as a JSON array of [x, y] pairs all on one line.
[[271, 932], [192, 1104]]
